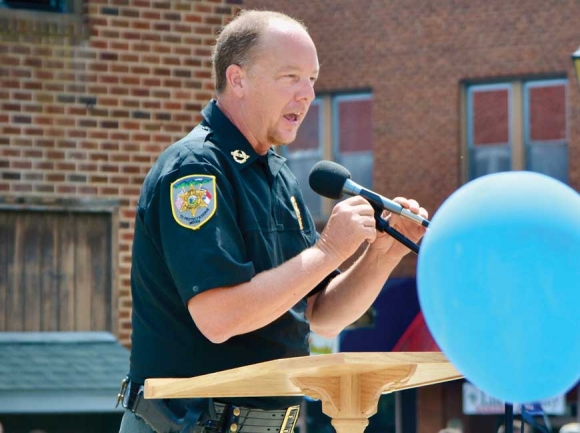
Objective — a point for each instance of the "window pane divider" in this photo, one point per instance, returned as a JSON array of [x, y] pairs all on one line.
[[517, 127]]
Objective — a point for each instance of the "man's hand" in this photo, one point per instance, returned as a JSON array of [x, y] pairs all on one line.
[[351, 293], [351, 223], [413, 231]]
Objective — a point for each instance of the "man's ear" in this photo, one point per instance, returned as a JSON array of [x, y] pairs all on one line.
[[235, 77]]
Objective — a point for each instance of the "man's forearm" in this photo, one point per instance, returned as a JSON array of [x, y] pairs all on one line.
[[223, 312], [350, 294]]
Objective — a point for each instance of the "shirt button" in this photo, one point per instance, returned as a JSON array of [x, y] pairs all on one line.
[[237, 411], [234, 428]]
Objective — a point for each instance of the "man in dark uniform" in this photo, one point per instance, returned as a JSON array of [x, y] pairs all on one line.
[[228, 269]]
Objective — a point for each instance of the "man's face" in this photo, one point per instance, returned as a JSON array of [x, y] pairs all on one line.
[[279, 85]]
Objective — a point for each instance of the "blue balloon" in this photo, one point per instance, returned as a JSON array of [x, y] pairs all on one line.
[[499, 284]]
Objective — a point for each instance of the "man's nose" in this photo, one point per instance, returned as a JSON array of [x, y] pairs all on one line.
[[306, 90]]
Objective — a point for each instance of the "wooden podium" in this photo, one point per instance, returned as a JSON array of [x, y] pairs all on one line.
[[348, 384]]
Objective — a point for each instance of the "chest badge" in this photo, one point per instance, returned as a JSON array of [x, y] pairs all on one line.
[[193, 200], [297, 210], [240, 156]]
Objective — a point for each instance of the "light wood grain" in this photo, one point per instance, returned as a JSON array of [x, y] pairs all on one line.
[[348, 384], [274, 378]]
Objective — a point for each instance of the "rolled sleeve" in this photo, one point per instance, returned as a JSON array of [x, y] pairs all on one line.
[[211, 255]]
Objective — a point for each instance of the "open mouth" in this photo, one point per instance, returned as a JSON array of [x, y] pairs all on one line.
[[292, 117]]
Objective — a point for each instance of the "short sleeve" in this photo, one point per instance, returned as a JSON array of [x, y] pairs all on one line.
[[200, 239]]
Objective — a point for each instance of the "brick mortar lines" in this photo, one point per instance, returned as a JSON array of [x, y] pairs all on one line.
[[78, 72], [94, 76], [153, 120]]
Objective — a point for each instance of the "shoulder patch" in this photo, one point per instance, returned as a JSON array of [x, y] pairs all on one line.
[[193, 200]]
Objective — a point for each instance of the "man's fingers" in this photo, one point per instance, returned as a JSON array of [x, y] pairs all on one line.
[[413, 206]]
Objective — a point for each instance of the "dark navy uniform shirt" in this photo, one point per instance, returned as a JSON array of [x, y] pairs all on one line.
[[213, 213]]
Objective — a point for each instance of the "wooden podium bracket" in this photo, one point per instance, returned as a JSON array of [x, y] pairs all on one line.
[[351, 399]]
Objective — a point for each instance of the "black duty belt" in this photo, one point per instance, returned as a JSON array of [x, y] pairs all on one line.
[[249, 420], [209, 416]]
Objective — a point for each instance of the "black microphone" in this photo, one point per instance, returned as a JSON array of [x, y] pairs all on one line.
[[332, 180]]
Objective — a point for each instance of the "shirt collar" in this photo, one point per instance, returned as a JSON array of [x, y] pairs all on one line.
[[229, 138], [275, 161]]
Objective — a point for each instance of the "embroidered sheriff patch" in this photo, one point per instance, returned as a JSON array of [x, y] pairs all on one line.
[[193, 200]]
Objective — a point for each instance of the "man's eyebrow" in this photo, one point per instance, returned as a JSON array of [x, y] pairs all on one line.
[[290, 67]]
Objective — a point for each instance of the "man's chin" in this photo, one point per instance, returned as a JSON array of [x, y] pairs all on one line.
[[282, 141]]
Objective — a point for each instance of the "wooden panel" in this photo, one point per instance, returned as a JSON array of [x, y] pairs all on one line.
[[99, 243], [30, 271], [6, 263], [66, 272], [14, 299], [55, 271], [48, 274], [84, 284]]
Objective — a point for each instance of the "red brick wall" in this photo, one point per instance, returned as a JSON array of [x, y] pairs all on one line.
[[414, 54], [87, 107]]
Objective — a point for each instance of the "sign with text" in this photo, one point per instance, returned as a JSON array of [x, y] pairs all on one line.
[[476, 402]]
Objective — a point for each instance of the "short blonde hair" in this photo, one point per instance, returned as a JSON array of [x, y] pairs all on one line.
[[237, 40]]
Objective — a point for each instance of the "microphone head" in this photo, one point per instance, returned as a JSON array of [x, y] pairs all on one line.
[[327, 179]]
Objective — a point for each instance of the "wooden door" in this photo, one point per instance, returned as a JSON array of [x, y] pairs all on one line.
[[56, 271]]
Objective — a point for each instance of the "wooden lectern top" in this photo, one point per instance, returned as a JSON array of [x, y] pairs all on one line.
[[277, 377], [348, 384]]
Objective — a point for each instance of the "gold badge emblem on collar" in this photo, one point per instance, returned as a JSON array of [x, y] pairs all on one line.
[[240, 156]]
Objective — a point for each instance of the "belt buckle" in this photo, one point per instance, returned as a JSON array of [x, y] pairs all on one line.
[[122, 391], [290, 419]]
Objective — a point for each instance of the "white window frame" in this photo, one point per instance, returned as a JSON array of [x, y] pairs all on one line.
[[518, 120], [328, 127]]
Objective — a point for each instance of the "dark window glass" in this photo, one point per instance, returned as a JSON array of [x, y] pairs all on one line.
[[548, 113], [353, 140], [305, 152], [546, 128], [39, 5], [490, 117], [489, 137], [308, 136], [355, 123]]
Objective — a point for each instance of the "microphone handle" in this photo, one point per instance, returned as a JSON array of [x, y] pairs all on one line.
[[406, 213], [353, 188], [384, 226]]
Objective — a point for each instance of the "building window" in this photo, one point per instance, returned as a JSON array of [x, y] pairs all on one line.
[[33, 21], [61, 6], [517, 125], [306, 151], [338, 128], [353, 136]]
